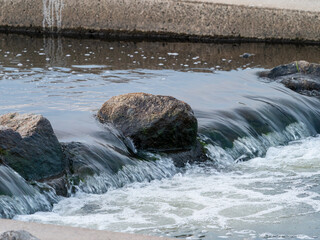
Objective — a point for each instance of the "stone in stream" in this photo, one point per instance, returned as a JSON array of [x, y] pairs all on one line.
[[154, 122], [29, 146], [300, 76], [17, 235]]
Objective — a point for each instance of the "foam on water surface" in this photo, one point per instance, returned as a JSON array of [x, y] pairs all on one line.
[[280, 189]]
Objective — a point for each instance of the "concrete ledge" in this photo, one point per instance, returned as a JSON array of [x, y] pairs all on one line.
[[53, 232], [210, 20]]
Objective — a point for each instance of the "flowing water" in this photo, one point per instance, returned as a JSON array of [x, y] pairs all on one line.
[[262, 139]]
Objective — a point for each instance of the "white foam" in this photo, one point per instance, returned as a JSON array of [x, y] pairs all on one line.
[[269, 191]]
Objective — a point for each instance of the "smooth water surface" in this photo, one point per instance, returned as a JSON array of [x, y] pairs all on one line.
[[275, 194]]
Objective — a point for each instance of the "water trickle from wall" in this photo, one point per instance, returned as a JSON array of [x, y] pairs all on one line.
[[52, 14]]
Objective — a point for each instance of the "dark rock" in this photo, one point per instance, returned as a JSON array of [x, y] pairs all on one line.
[[300, 76], [60, 184], [196, 154], [302, 84], [302, 67], [17, 235], [246, 55], [29, 146], [153, 122]]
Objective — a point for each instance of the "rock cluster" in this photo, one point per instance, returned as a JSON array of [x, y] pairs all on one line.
[[160, 124], [300, 76]]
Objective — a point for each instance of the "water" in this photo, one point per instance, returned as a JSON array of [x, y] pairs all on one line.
[[262, 181]]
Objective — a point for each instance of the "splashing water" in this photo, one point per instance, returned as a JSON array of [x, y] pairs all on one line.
[[52, 14], [249, 199], [18, 197]]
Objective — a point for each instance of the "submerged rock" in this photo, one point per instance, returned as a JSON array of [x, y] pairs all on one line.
[[153, 122], [300, 76], [17, 235], [29, 146]]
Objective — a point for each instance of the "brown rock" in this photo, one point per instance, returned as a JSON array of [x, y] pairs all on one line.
[[153, 122]]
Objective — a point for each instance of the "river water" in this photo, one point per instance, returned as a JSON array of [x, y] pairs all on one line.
[[263, 177]]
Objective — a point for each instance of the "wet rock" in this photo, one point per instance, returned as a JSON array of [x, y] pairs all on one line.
[[17, 235], [153, 122], [246, 55], [302, 67], [60, 184], [304, 85], [196, 154], [300, 76], [29, 146]]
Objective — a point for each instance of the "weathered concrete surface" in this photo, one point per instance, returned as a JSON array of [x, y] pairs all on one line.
[[53, 232], [290, 20]]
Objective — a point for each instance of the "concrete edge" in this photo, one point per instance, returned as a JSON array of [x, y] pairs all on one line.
[[196, 21]]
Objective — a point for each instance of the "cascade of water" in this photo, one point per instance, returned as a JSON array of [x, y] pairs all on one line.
[[52, 14], [18, 197]]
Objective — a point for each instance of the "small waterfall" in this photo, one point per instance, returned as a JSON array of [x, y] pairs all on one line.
[[18, 197], [137, 172], [247, 133], [99, 167], [52, 14]]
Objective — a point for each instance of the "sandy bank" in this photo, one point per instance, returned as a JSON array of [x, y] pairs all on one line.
[[53, 232]]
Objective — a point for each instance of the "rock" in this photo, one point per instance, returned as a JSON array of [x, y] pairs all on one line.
[[60, 184], [17, 235], [300, 76], [307, 86], [196, 154], [153, 122], [246, 55], [29, 146], [302, 67]]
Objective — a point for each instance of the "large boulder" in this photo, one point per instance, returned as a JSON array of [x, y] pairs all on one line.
[[153, 122], [29, 146], [300, 76]]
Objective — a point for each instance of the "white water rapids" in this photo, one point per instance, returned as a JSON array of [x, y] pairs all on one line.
[[264, 197]]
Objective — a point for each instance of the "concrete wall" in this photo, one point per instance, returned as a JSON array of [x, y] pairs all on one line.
[[206, 19]]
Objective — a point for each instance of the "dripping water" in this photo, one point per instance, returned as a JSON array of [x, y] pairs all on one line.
[[52, 14]]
